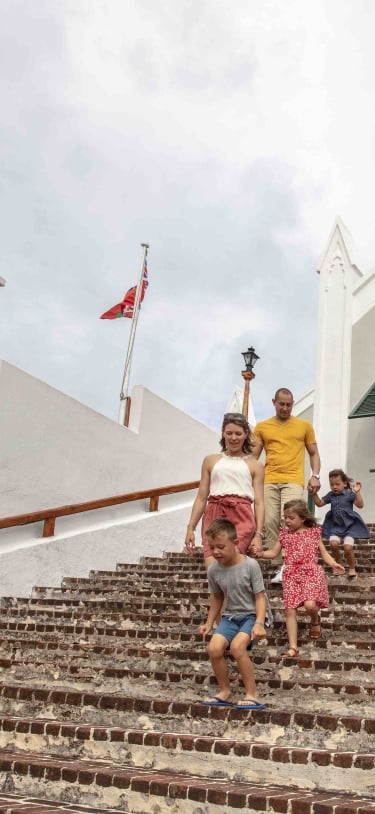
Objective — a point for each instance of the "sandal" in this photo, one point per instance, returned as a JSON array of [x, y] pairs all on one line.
[[290, 653], [315, 631]]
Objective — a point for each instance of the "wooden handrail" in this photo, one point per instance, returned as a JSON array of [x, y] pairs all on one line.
[[49, 515]]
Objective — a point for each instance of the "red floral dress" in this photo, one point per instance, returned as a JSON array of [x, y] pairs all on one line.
[[303, 578]]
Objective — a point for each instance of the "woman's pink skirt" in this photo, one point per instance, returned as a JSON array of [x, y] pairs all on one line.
[[234, 508]]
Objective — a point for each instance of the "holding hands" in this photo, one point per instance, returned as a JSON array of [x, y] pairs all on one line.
[[313, 485]]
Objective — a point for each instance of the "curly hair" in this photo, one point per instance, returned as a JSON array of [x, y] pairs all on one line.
[[339, 473]]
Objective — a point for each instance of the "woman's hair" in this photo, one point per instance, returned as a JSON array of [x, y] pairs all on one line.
[[301, 508], [339, 473], [240, 420]]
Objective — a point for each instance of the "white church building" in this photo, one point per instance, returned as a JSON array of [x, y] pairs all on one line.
[[342, 403]]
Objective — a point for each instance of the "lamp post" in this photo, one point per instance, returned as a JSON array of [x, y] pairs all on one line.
[[250, 358]]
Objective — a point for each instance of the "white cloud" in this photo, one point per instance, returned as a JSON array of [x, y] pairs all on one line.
[[228, 136]]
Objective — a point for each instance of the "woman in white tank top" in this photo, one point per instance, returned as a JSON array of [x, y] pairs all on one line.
[[231, 484]]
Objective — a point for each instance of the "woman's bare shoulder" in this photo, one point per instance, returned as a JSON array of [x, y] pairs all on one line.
[[210, 460]]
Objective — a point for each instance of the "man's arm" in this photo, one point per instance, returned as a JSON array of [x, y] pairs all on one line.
[[314, 481], [256, 450], [257, 473]]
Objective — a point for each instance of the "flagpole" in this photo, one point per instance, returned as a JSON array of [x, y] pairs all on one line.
[[128, 361]]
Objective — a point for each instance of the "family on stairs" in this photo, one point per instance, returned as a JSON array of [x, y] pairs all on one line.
[[231, 483], [107, 698]]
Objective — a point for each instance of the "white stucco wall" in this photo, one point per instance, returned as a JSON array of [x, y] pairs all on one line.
[[46, 562], [56, 451], [361, 444]]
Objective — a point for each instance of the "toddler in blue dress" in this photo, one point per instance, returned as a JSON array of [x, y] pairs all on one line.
[[342, 523]]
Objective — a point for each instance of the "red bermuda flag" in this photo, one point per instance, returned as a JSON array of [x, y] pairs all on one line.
[[126, 307]]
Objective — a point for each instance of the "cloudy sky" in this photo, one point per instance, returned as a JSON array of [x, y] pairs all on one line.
[[227, 135]]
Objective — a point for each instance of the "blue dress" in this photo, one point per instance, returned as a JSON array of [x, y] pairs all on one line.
[[342, 520]]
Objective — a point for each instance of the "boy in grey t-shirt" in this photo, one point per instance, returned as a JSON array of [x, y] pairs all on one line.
[[238, 580]]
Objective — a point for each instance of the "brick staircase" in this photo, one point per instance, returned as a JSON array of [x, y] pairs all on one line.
[[100, 686]]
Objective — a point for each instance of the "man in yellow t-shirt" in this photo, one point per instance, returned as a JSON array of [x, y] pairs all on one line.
[[284, 439]]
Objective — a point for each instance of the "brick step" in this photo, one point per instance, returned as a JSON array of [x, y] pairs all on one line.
[[166, 569], [335, 633], [339, 607], [229, 757], [341, 627], [134, 604], [19, 804], [349, 589], [268, 682], [63, 636], [347, 654], [336, 659], [364, 569], [116, 602], [284, 710], [182, 557], [151, 790], [157, 572]]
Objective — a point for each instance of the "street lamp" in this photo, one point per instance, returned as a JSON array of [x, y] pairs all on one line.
[[248, 374]]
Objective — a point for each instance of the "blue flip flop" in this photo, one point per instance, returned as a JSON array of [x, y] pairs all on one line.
[[217, 702], [251, 705]]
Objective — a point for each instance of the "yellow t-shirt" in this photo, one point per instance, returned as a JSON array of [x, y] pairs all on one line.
[[284, 443]]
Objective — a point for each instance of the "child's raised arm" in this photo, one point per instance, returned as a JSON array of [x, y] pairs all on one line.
[[318, 500], [358, 502], [326, 557]]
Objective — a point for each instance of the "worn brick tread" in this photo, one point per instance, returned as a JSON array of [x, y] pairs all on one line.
[[359, 760], [19, 804], [57, 651], [176, 786], [119, 702], [343, 687]]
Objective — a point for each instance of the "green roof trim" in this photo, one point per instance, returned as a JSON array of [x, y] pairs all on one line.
[[365, 407]]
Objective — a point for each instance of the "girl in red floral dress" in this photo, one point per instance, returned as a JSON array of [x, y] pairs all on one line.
[[304, 581]]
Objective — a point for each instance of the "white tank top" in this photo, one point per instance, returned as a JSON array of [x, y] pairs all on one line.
[[231, 476]]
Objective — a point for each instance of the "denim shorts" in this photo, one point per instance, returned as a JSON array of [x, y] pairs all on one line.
[[231, 625]]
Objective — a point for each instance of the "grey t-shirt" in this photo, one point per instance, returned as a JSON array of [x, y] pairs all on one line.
[[238, 583]]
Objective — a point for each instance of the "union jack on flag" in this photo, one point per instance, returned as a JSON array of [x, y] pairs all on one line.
[[126, 307]]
